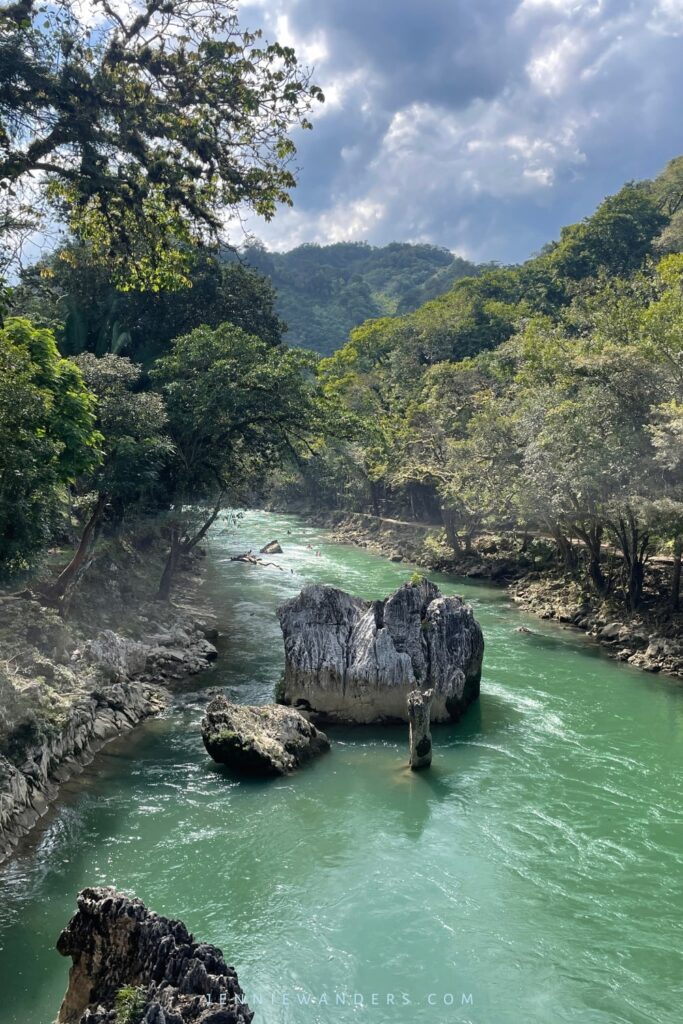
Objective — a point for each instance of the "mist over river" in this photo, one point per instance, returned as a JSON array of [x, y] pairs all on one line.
[[534, 875]]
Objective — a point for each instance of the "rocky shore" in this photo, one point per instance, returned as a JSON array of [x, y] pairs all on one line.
[[648, 643], [130, 964], [69, 686], [645, 643]]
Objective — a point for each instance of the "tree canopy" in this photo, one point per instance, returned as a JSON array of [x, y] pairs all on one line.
[[48, 437], [144, 125]]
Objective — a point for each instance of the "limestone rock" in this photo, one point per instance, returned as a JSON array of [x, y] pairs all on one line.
[[610, 632], [117, 657], [115, 942], [661, 655], [419, 708], [267, 740], [350, 660], [272, 548], [27, 789]]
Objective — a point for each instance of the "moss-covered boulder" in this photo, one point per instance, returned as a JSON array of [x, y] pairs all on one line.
[[267, 740]]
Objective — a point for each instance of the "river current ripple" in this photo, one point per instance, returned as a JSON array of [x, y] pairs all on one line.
[[532, 876]]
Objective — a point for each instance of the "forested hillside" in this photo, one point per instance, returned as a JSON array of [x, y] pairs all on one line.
[[545, 398], [323, 292]]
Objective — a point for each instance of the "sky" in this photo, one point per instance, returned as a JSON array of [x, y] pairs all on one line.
[[478, 125]]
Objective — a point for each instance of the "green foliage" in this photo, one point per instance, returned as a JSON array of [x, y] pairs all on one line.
[[47, 438], [236, 406], [323, 292], [140, 143], [616, 239], [133, 426], [77, 296], [545, 398], [129, 1004]]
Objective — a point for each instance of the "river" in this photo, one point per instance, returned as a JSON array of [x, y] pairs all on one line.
[[534, 875]]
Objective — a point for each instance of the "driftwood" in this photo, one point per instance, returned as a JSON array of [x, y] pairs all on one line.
[[253, 560]]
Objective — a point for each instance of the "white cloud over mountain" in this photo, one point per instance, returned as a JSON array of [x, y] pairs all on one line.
[[480, 126]]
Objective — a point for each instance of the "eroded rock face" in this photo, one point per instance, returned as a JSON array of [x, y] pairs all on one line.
[[116, 656], [115, 942], [419, 708], [267, 740], [356, 661]]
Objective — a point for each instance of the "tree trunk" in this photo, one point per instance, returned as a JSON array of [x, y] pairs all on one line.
[[451, 532], [565, 549], [170, 567], [183, 547], [634, 544], [374, 497], [676, 575], [592, 538], [54, 592]]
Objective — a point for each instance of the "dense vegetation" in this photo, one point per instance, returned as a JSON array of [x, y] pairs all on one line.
[[545, 398], [324, 291], [142, 377], [141, 125]]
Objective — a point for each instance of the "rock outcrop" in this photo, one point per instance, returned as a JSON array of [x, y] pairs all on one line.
[[63, 696], [117, 944], [420, 737], [27, 789], [267, 740], [350, 660], [271, 548]]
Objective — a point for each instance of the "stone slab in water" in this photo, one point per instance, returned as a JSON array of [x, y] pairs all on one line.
[[350, 660], [420, 737]]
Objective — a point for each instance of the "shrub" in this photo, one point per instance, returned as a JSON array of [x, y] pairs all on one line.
[[129, 1004]]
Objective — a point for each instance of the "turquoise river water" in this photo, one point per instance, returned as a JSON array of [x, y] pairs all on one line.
[[534, 875]]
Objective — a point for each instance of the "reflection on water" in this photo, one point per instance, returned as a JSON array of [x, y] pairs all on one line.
[[535, 869]]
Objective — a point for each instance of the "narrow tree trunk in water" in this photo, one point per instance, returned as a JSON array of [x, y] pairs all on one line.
[[55, 591], [676, 575]]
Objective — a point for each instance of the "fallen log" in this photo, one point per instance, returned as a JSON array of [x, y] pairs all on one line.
[[253, 560]]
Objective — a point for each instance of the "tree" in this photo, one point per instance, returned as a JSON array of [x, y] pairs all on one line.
[[617, 238], [144, 127], [134, 448], [47, 438], [72, 292], [237, 407]]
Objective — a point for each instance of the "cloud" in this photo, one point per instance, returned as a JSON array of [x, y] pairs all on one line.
[[480, 126]]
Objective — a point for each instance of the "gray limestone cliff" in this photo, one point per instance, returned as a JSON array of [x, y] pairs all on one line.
[[350, 660]]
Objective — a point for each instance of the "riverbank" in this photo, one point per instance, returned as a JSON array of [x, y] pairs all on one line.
[[652, 642], [70, 685]]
